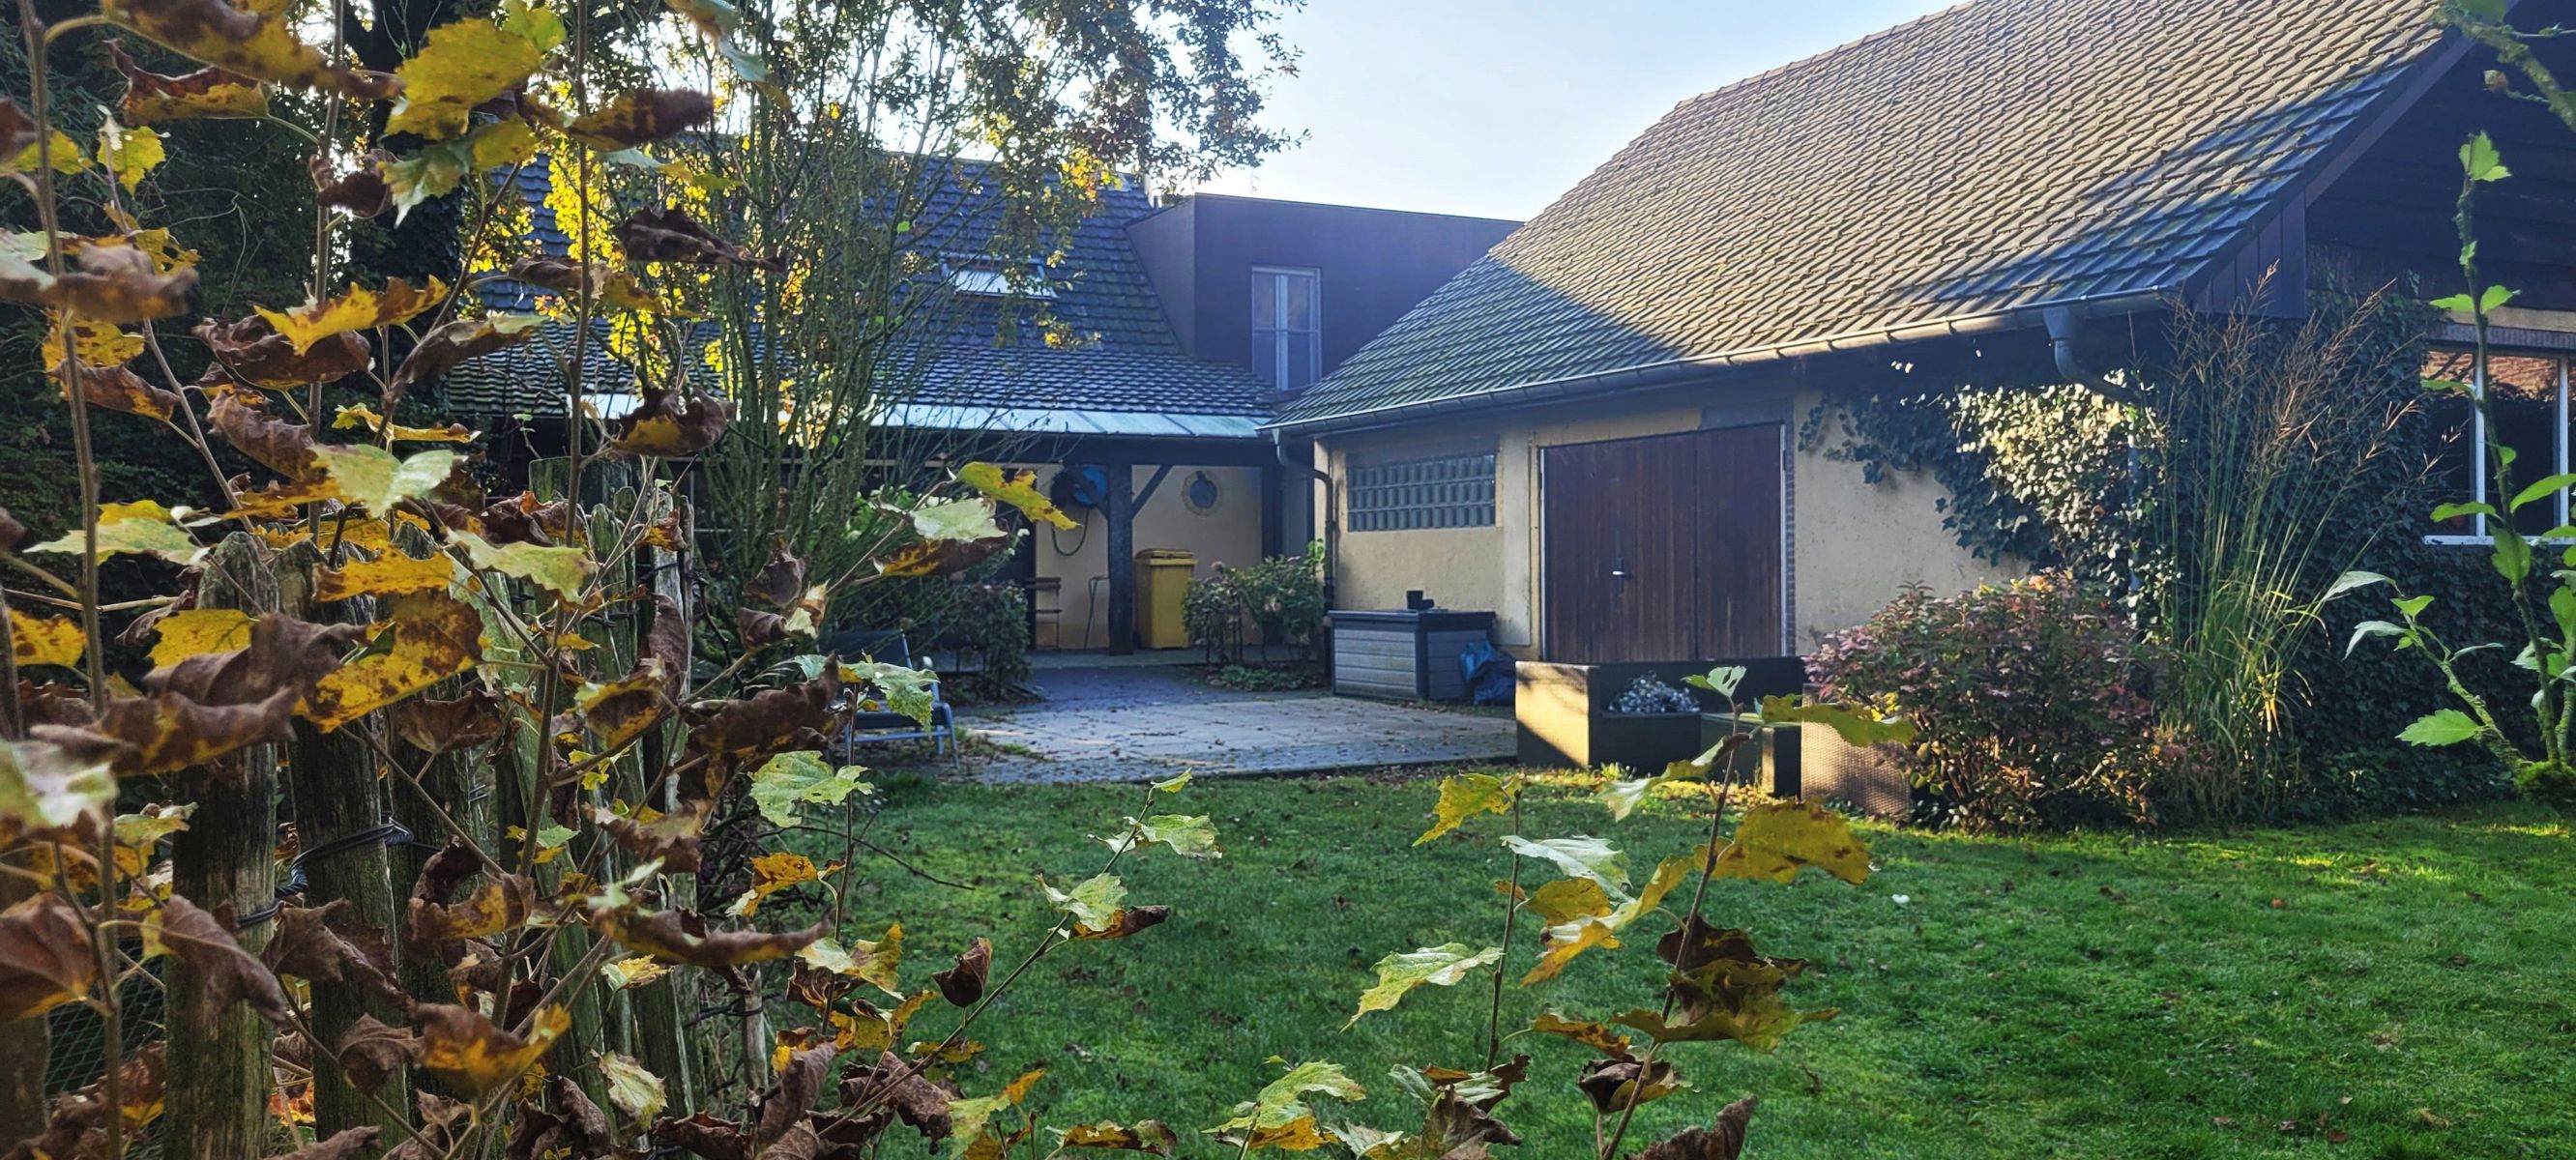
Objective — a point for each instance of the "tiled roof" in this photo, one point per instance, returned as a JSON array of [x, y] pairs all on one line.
[[1995, 157], [1124, 356]]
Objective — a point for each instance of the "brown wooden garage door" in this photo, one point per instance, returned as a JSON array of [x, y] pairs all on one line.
[[1664, 548]]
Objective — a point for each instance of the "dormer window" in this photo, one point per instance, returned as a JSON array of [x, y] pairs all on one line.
[[987, 277], [1287, 339]]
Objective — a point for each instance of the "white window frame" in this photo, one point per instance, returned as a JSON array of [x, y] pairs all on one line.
[[2480, 475], [1276, 326]]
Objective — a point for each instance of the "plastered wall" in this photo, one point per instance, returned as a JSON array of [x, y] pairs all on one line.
[[1853, 545], [1230, 534]]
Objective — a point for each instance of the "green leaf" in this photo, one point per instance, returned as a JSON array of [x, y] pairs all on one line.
[[1173, 784], [553, 836], [2353, 580], [2494, 299], [1855, 727], [1280, 1103], [909, 691], [2562, 608], [1189, 837], [560, 570], [1440, 966], [2452, 511], [2456, 304], [2491, 11], [632, 1090], [956, 519], [1777, 839], [2480, 160], [2370, 628], [2512, 555], [370, 476], [2411, 606], [802, 778], [2543, 489], [1591, 859], [2440, 727], [1721, 680], [1094, 902], [1464, 796]]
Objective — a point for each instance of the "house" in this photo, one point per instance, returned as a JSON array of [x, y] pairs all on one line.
[[1171, 328], [1595, 430]]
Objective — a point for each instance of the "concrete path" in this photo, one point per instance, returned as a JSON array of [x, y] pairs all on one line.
[[1135, 723]]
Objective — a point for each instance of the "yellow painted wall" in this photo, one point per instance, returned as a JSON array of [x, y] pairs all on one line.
[[1229, 534], [1854, 545]]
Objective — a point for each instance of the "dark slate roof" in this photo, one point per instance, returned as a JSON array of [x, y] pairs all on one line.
[[1982, 162], [1123, 358]]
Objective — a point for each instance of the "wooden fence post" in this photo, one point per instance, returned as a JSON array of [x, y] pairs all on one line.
[[220, 1075]]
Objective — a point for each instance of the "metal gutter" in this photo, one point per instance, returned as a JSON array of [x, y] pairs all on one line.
[[1668, 372]]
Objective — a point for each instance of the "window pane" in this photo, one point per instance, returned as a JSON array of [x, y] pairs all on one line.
[[2523, 394], [1265, 300], [2453, 457], [1265, 356], [1301, 360], [1301, 300]]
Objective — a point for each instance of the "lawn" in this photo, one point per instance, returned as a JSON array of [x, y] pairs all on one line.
[[2397, 988]]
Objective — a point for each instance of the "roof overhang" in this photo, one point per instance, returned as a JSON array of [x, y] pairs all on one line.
[[1071, 422]]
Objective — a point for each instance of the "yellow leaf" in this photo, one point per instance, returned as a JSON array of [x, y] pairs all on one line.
[[1018, 489], [467, 1050], [628, 974], [463, 65], [771, 873], [434, 638], [196, 631], [1569, 899], [360, 415], [143, 527], [99, 344], [1565, 942], [357, 309], [59, 150], [371, 478], [254, 42], [386, 575], [1466, 795], [129, 153], [54, 641], [1777, 839]]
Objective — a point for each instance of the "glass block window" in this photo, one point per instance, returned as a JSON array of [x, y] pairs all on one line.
[[1453, 491]]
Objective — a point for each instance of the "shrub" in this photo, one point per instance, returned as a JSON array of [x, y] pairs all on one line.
[[1282, 596], [2029, 697]]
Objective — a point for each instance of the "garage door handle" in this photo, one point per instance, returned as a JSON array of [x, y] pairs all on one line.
[[1618, 573]]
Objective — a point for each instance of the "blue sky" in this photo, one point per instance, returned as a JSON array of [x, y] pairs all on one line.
[[1494, 107]]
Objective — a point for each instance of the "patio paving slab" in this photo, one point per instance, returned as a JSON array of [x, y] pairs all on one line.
[[1144, 723]]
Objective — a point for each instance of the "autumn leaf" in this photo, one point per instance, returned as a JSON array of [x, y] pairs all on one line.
[[672, 838], [440, 167], [1613, 1085], [371, 477], [563, 571], [640, 117], [665, 425], [120, 389], [873, 963], [1093, 902], [1578, 857], [98, 344], [451, 343], [767, 721], [1018, 489], [390, 574], [254, 43], [1124, 922], [433, 637], [1441, 966], [46, 957], [771, 873], [226, 973], [328, 944], [286, 448], [1279, 1116], [1189, 837], [462, 1047], [1564, 942], [58, 152], [44, 786], [1465, 795], [130, 154], [682, 937], [963, 985], [466, 63], [972, 1119], [909, 691], [802, 778], [359, 415], [112, 283], [1593, 1035], [721, 22], [208, 92], [669, 234], [628, 974], [1776, 839], [358, 308], [253, 350], [1143, 1136], [1723, 1139], [636, 1093], [55, 640]]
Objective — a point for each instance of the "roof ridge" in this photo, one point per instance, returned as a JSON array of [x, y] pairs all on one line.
[[1814, 58]]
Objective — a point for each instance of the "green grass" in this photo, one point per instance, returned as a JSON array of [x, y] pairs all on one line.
[[2398, 988]]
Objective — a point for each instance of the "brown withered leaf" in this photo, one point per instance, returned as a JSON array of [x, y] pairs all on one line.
[[669, 234], [120, 389], [705, 1135], [894, 1083], [800, 1083], [253, 350], [228, 973], [284, 654], [371, 1052], [764, 722], [17, 129], [1125, 922], [681, 936], [758, 628], [432, 725], [361, 191], [214, 704], [940, 557], [243, 421], [433, 916], [12, 533], [110, 283], [327, 944], [151, 97], [567, 1123], [658, 427], [459, 1045], [1721, 1140], [1612, 1084], [1152, 1136], [962, 985], [818, 988], [608, 286], [254, 43], [672, 837], [46, 957], [781, 582], [642, 116], [451, 343], [340, 1145]]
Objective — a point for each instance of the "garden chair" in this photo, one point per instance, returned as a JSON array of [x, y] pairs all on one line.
[[879, 725]]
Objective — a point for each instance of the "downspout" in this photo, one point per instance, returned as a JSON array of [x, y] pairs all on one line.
[[1332, 537], [2064, 328]]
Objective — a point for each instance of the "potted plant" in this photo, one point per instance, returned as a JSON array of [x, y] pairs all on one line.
[[1648, 725]]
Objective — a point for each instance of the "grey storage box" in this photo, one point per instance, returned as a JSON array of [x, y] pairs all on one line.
[[1404, 655]]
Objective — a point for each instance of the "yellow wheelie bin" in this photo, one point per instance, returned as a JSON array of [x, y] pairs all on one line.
[[1162, 579]]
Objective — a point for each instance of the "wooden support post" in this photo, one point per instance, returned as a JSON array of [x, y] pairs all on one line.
[[1122, 559], [219, 1074], [661, 1037], [337, 795], [26, 1043]]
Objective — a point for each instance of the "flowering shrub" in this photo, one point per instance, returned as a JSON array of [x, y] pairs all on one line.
[[2027, 695]]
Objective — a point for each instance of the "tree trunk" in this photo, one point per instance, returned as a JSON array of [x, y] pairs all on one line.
[[221, 1074], [337, 796]]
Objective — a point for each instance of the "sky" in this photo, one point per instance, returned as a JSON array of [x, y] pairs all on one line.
[[1494, 107]]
